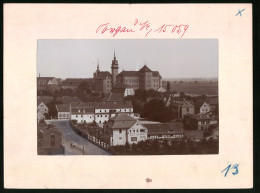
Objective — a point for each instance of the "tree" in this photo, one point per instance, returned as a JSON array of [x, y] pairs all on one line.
[[141, 94], [52, 107], [155, 110], [168, 86], [137, 105], [83, 89]]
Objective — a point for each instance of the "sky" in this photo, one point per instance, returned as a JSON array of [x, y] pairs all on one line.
[[173, 58]]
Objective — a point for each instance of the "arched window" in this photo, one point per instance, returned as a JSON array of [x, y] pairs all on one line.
[[52, 140]]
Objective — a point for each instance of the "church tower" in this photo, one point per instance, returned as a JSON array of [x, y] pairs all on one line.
[[114, 69]]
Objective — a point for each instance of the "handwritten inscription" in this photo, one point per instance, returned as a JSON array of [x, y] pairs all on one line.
[[240, 12], [234, 168], [145, 27]]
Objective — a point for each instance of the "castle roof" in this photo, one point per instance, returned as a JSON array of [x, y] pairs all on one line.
[[128, 73], [145, 69]]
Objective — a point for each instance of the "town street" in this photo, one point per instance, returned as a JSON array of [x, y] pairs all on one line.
[[71, 137]]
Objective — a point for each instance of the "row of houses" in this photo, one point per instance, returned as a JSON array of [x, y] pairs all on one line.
[[99, 112], [123, 128]]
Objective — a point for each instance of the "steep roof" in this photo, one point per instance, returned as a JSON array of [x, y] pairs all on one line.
[[113, 105], [121, 121], [128, 73], [145, 69], [44, 99], [156, 73], [212, 100], [63, 107], [104, 74], [68, 99], [114, 97], [76, 81], [88, 107], [164, 128]]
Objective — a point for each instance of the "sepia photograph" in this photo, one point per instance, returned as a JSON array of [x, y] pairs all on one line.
[[127, 97]]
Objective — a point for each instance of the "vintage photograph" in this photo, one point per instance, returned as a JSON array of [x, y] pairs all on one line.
[[127, 97]]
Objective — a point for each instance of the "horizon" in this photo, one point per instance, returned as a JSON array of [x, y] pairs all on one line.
[[188, 58]]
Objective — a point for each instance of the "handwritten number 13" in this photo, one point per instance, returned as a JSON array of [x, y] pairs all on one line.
[[234, 167]]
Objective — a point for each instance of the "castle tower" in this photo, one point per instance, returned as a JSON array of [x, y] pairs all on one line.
[[114, 69]]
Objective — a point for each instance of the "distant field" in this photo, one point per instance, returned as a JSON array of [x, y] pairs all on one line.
[[196, 88]]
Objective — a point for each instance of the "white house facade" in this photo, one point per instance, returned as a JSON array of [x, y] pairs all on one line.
[[129, 92], [123, 128], [42, 108], [205, 108], [63, 111], [100, 112]]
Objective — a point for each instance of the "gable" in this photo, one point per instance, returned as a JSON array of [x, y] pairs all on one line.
[[42, 105]]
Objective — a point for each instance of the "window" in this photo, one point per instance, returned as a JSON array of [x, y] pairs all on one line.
[[81, 115], [142, 130], [52, 140], [76, 115], [125, 110], [99, 121], [160, 135], [100, 110], [133, 138], [105, 110], [120, 137], [120, 130], [100, 115], [187, 109]]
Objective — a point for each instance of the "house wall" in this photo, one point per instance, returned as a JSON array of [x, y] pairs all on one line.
[[129, 91], [155, 82], [63, 115], [203, 124], [47, 139], [42, 108], [88, 118], [205, 108], [187, 110], [119, 137], [137, 133]]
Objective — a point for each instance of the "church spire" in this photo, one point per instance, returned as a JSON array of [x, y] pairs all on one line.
[[97, 64], [114, 54]]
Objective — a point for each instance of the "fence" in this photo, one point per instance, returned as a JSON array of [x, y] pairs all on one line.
[[103, 145]]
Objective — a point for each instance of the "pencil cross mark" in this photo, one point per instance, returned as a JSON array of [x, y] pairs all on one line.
[[240, 12]]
